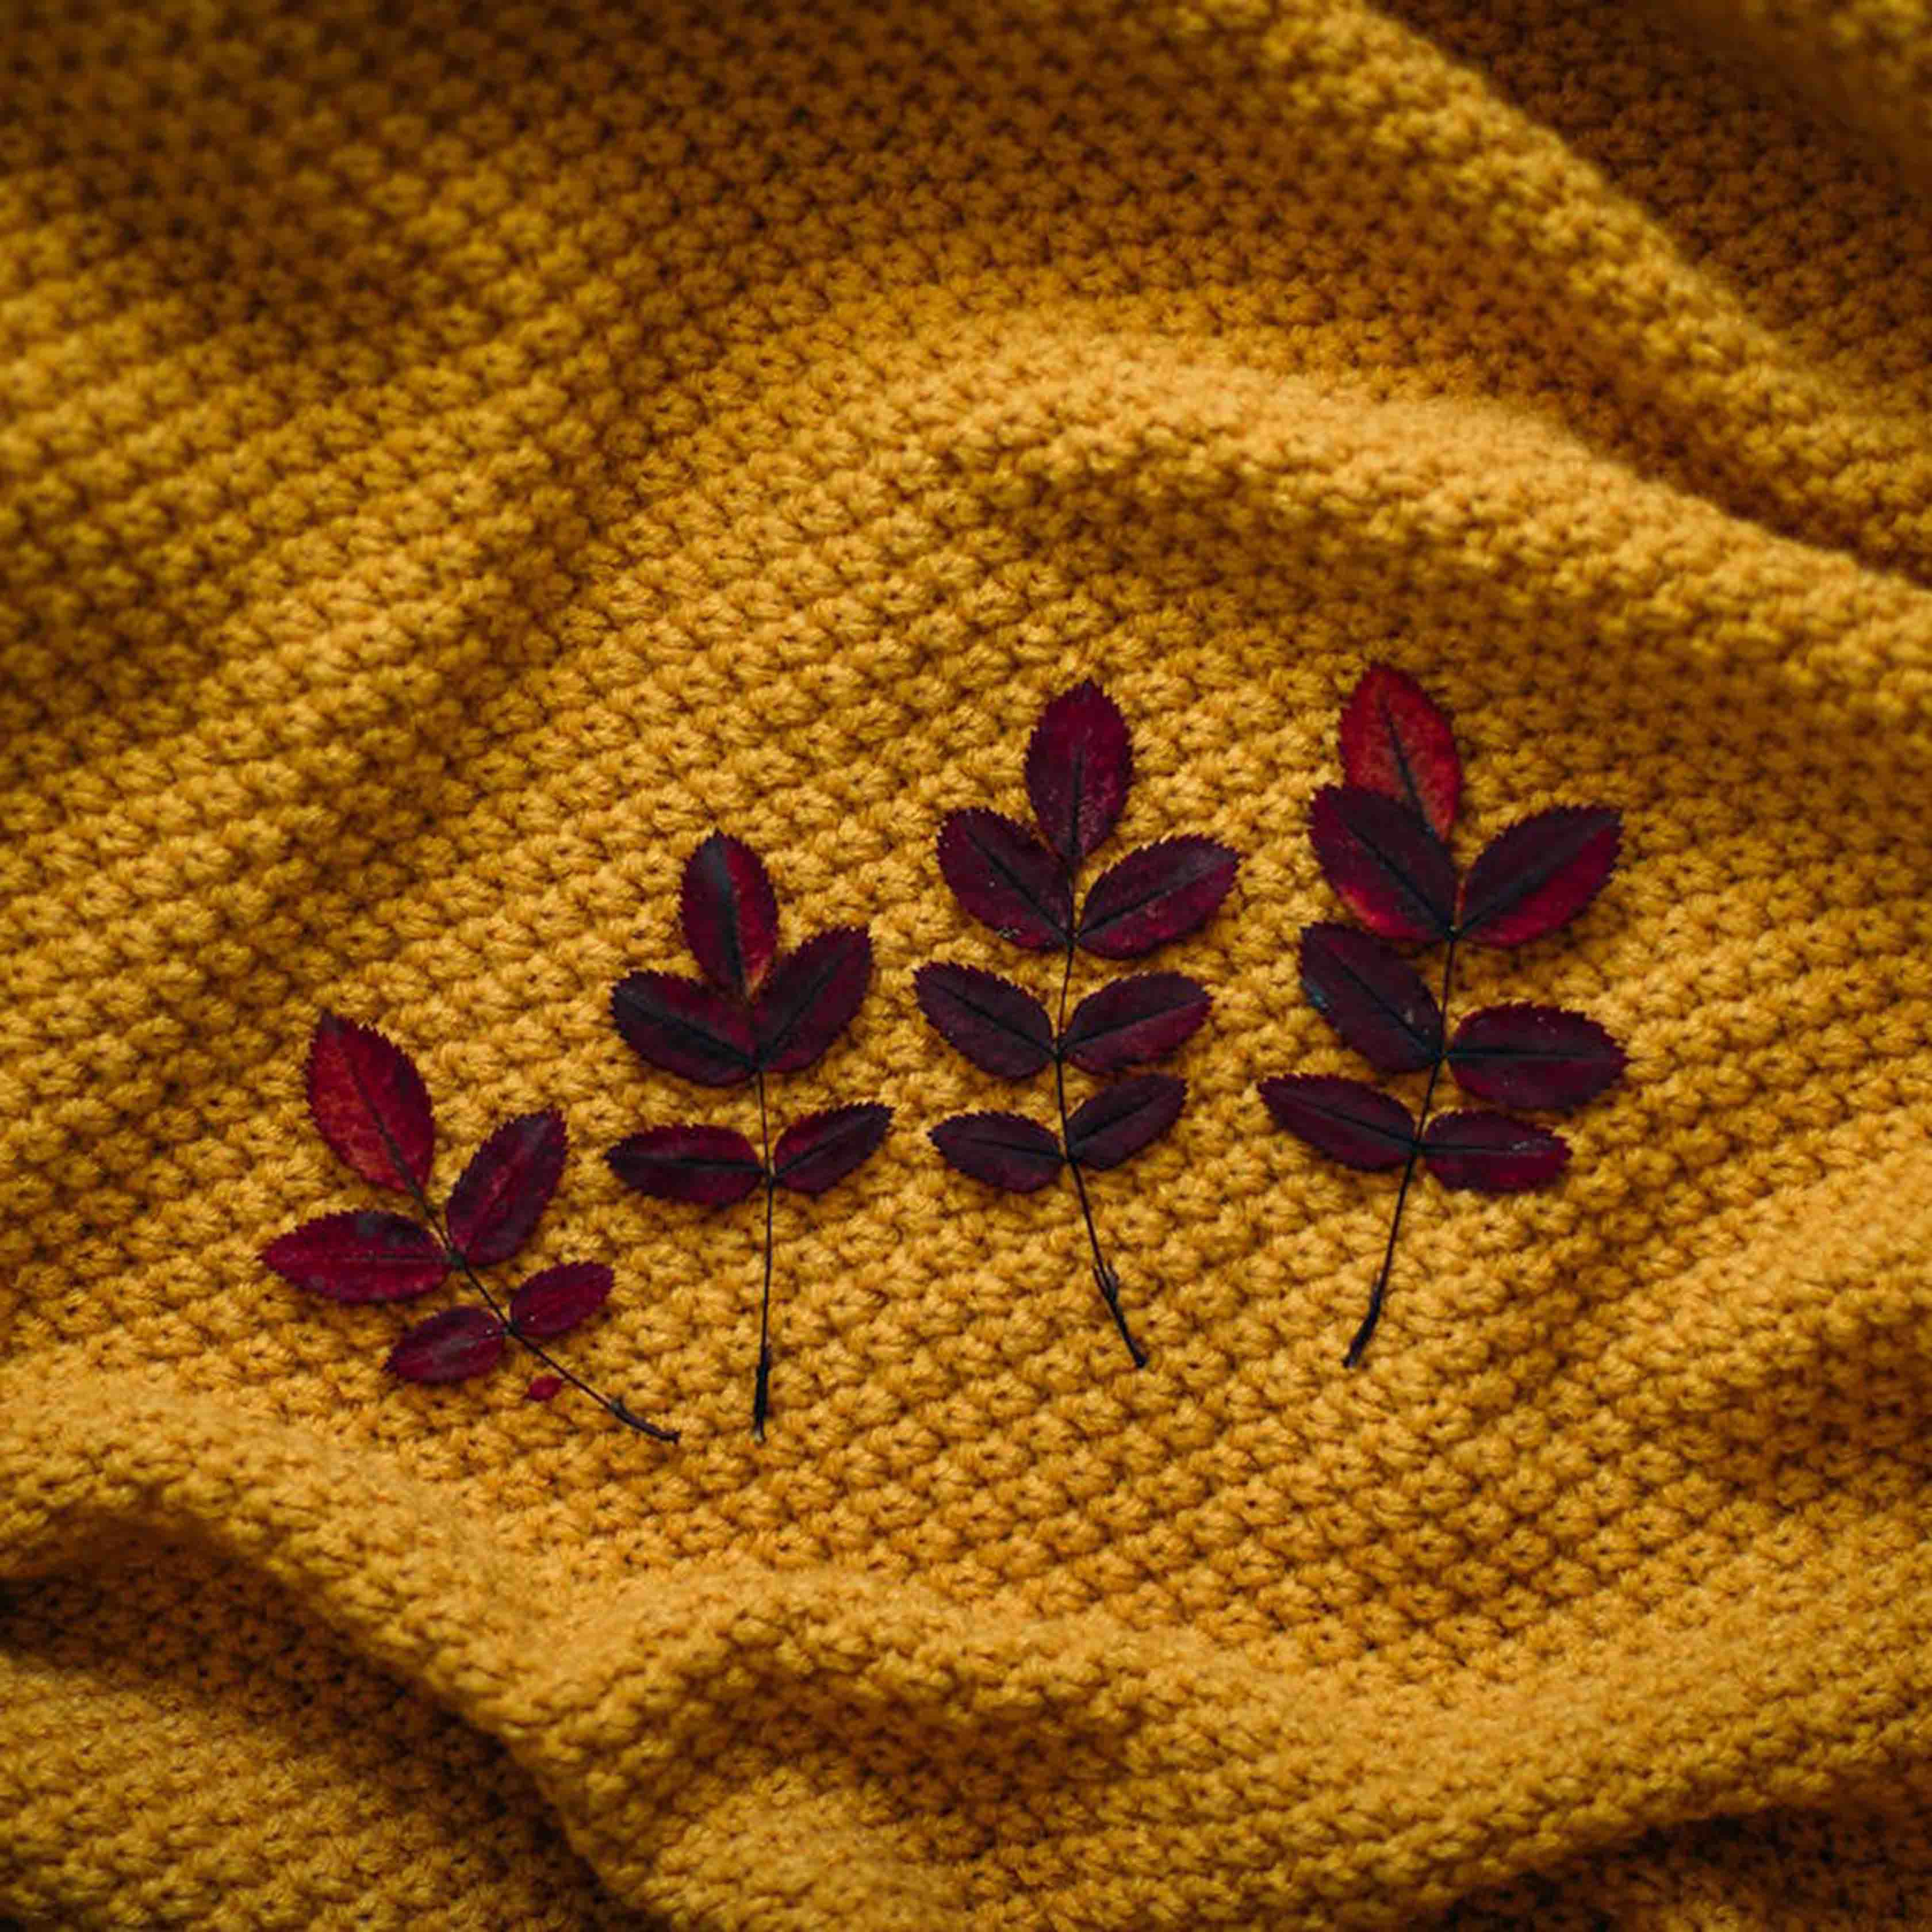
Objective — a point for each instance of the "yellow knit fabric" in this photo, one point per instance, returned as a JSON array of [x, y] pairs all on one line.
[[451, 456]]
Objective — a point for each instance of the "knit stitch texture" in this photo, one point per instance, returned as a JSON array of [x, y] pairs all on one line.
[[452, 456]]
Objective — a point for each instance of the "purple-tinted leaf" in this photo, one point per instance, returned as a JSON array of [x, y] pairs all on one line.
[[714, 1165], [1164, 891], [450, 1347], [1395, 740], [1356, 1124], [1001, 1028], [366, 1255], [1372, 997], [814, 1153], [1540, 874], [1004, 877], [1390, 871], [542, 1387], [1492, 1153], [1120, 1120], [731, 914], [1533, 1057], [494, 1208], [1004, 1149], [684, 1026], [1133, 1021], [369, 1103], [810, 997], [1079, 762], [555, 1300]]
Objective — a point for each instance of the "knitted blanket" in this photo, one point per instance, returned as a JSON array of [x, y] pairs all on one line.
[[487, 490]]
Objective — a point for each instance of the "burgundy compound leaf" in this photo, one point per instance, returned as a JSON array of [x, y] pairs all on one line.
[[494, 1208], [1007, 879], [1117, 1122], [811, 998], [1356, 1124], [1372, 997], [554, 1300], [451, 1347], [369, 1103], [1492, 1153], [1145, 1017], [818, 1151], [1001, 1028], [1540, 874], [730, 914], [1386, 865], [1396, 740], [1163, 892], [684, 1027], [1534, 1057], [712, 1165], [365, 1256], [1079, 763], [1003, 1149]]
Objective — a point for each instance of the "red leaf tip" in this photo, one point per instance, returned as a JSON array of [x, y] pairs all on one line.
[[369, 1102], [1396, 740]]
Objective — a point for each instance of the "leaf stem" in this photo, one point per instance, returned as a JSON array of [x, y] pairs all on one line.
[[1359, 1346], [761, 1391], [1104, 1278]]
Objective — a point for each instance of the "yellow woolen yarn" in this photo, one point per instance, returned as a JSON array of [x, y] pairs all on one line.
[[451, 456]]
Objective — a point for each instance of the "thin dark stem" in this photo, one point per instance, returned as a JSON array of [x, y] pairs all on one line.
[[1359, 1346], [1104, 1278], [761, 1393]]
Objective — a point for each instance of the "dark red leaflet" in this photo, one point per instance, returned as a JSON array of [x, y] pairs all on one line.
[[811, 998], [1117, 1122], [818, 1151], [494, 1208], [1492, 1153], [730, 914], [542, 1388], [369, 1103], [1163, 892], [451, 1347], [1540, 874], [1007, 879], [684, 1027], [1145, 1017], [1079, 763], [1372, 997], [1356, 1124], [713, 1166], [1004, 1149], [367, 1255], [1386, 865], [1534, 1057], [1001, 1028], [553, 1301], [1396, 740]]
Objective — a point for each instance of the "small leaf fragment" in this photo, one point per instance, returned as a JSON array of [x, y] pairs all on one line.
[[1492, 1153], [816, 1152], [1350, 1122], [1144, 1017], [555, 1300], [367, 1255], [1540, 874], [493, 1209], [1115, 1123], [369, 1103], [451, 1347], [684, 1026], [542, 1387], [1386, 865], [1003, 1149], [1372, 997], [1396, 740], [811, 998], [1007, 879], [1534, 1057], [730, 914], [1163, 892], [1079, 763], [713, 1166], [1001, 1028]]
